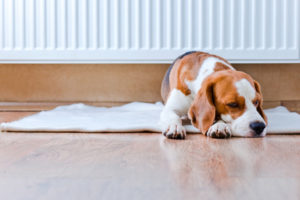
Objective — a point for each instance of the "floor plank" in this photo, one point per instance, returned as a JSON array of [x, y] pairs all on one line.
[[146, 166]]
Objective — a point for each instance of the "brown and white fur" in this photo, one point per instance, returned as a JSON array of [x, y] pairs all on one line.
[[220, 101]]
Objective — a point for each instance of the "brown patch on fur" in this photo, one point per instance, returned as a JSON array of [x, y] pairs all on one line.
[[202, 112], [220, 66], [222, 101], [188, 67], [260, 101]]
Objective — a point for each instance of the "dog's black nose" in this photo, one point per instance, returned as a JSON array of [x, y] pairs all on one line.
[[258, 127]]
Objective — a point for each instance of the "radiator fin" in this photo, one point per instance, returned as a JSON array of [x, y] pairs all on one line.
[[147, 30]]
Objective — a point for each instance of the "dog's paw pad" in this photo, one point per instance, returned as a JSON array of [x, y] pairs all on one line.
[[219, 130], [175, 131]]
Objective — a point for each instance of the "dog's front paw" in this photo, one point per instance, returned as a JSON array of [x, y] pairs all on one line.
[[219, 130], [174, 131]]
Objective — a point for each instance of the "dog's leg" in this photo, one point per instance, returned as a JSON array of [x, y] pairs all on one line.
[[219, 130], [177, 105]]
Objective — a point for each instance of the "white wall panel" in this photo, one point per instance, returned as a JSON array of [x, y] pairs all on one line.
[[153, 31]]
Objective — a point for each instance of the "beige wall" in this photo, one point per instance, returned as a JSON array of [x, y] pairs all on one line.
[[118, 83]]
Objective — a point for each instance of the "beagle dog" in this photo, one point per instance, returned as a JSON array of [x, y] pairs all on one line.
[[219, 101]]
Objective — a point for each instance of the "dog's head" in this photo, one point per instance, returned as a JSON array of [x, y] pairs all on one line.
[[233, 97]]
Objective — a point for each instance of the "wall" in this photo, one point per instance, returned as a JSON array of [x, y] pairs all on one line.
[[113, 84]]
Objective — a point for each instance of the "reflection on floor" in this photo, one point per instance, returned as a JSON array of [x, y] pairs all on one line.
[[146, 166]]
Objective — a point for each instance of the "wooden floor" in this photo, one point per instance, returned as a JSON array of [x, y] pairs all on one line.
[[146, 166]]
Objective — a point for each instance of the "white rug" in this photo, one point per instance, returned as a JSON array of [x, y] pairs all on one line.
[[132, 117]]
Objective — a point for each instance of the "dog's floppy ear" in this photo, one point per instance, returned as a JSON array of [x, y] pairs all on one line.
[[202, 111], [259, 107]]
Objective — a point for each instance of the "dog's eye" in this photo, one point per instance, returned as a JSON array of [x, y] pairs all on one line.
[[233, 105], [255, 102]]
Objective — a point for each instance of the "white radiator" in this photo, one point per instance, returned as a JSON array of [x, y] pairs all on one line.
[[147, 31]]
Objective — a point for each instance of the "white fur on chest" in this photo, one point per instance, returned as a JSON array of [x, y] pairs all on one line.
[[206, 69]]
